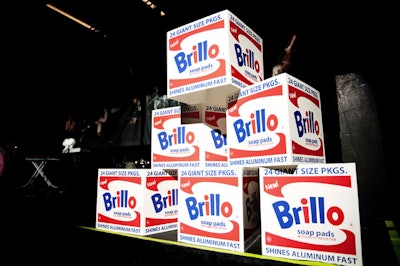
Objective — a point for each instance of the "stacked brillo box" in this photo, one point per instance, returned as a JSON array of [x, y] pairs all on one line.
[[240, 160]]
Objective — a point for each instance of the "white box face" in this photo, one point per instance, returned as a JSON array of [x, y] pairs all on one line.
[[120, 197], [211, 57], [161, 201], [311, 213], [275, 122], [170, 141], [137, 201], [211, 210]]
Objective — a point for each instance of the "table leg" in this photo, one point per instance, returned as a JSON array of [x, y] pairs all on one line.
[[39, 171]]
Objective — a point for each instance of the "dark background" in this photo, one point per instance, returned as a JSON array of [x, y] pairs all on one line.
[[52, 66]]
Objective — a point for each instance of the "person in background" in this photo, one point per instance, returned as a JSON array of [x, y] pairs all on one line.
[[161, 102], [127, 127], [283, 66], [131, 134], [151, 100], [100, 121], [70, 127]]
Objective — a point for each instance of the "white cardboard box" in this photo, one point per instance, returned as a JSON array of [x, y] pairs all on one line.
[[212, 57], [311, 212], [137, 201], [275, 122], [175, 145], [219, 207], [215, 141]]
